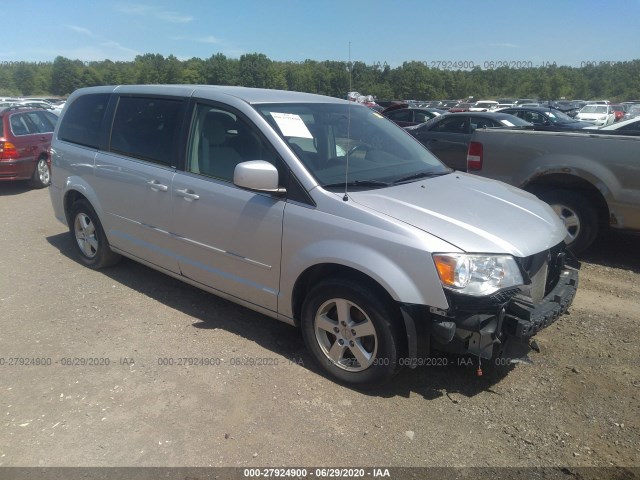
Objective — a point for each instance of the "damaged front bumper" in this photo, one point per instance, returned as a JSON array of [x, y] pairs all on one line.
[[480, 326]]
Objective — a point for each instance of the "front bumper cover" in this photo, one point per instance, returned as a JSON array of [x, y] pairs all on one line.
[[476, 326], [523, 320]]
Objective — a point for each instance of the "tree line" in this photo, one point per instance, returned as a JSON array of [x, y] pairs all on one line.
[[617, 81]]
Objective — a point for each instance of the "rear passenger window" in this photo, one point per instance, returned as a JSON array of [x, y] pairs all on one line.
[[147, 128], [20, 125], [452, 125], [81, 122], [404, 115]]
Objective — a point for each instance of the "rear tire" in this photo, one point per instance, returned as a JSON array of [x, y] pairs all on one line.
[[89, 238], [351, 332], [578, 214], [41, 177]]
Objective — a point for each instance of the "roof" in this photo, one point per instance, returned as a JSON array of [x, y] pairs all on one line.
[[478, 114], [249, 95]]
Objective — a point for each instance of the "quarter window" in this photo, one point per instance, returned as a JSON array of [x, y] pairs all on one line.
[[40, 122], [82, 120], [20, 125]]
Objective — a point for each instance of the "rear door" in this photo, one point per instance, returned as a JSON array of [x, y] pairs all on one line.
[[133, 177], [42, 133], [229, 238]]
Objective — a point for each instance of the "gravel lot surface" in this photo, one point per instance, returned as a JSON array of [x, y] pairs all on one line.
[[128, 382]]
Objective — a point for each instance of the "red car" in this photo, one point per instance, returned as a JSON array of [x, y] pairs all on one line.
[[25, 138], [618, 110], [461, 107]]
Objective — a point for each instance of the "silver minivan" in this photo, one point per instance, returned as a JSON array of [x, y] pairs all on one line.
[[312, 210]]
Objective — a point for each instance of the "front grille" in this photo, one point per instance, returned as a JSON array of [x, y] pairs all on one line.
[[541, 272]]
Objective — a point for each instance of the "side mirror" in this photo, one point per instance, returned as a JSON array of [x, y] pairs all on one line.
[[257, 175]]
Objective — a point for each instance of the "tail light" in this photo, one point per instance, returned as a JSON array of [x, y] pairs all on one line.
[[8, 151], [474, 156]]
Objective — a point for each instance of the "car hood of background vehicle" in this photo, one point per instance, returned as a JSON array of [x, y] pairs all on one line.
[[472, 213], [582, 116]]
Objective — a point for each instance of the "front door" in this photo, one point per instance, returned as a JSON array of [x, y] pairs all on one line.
[[228, 238]]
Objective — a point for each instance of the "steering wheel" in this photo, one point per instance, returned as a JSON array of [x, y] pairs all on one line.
[[360, 146]]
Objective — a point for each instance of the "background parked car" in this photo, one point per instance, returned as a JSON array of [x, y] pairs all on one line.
[[633, 110], [408, 116], [618, 111], [25, 138], [484, 106], [597, 114], [461, 107], [524, 101], [447, 104], [546, 118], [626, 127], [448, 136]]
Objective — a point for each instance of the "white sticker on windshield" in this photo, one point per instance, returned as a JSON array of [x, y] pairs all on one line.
[[507, 123], [291, 125]]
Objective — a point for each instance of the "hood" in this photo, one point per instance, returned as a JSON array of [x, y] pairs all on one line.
[[590, 116], [475, 214]]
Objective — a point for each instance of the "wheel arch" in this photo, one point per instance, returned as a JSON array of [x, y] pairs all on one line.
[[316, 273], [77, 189], [71, 197], [564, 181]]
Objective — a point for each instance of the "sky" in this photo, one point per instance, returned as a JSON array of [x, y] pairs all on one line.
[[440, 33]]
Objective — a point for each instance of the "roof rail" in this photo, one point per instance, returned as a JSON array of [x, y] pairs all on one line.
[[16, 107]]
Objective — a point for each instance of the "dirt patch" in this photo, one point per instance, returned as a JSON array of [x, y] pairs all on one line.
[[182, 378]]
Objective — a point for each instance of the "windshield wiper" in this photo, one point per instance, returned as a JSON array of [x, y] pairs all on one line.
[[358, 183], [418, 175]]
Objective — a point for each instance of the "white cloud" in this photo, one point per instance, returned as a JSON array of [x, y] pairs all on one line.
[[156, 12], [502, 45], [110, 44], [209, 39], [82, 30]]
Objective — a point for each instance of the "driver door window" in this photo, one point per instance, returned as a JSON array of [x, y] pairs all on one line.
[[220, 140]]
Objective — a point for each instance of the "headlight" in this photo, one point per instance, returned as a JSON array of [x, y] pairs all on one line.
[[477, 274]]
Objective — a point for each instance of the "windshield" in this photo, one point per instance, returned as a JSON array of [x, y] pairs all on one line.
[[323, 135], [594, 109], [513, 121], [557, 116]]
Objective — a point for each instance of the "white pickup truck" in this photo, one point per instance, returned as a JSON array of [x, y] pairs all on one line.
[[591, 180]]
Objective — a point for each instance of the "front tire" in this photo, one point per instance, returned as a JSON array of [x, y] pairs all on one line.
[[578, 214], [351, 333], [41, 177], [89, 238]]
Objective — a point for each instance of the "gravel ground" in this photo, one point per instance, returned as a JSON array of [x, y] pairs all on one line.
[[260, 401]]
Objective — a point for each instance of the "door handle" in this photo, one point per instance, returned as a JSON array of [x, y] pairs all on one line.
[[156, 186], [187, 194]]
